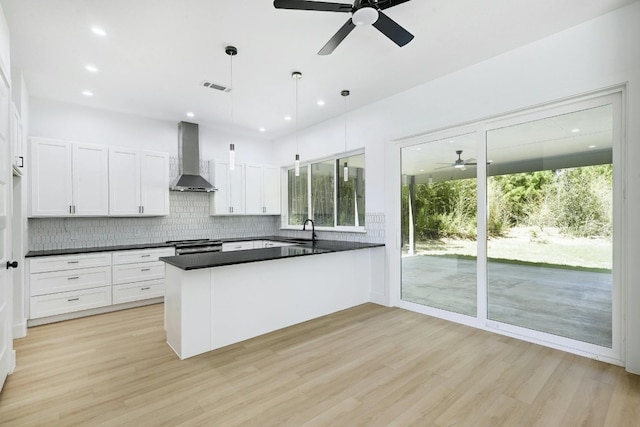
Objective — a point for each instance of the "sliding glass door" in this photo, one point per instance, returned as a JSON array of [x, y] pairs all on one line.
[[550, 248], [515, 225], [439, 224]]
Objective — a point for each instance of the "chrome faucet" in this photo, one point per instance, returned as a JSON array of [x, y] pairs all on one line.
[[313, 229]]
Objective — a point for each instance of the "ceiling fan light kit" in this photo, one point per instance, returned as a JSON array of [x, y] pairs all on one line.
[[365, 16], [363, 12]]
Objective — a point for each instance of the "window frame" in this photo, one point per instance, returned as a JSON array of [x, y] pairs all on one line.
[[285, 225]]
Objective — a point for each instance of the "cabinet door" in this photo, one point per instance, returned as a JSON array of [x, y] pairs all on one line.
[[236, 190], [254, 190], [90, 180], [271, 190], [16, 139], [124, 182], [219, 203], [154, 183], [51, 178]]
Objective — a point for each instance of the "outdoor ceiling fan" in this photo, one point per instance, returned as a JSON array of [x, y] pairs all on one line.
[[460, 163], [363, 12]]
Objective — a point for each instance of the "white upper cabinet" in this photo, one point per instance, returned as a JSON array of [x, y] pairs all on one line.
[[230, 196], [68, 179], [138, 183], [262, 189], [17, 141]]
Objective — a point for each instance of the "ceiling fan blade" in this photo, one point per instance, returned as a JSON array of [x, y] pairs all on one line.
[[337, 38], [312, 5], [393, 30], [386, 4]]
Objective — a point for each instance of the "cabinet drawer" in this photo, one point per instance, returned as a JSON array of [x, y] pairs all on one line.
[[144, 255], [65, 262], [273, 244], [139, 272], [67, 302], [237, 246], [69, 280], [138, 291]]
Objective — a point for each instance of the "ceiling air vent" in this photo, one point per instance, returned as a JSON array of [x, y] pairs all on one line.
[[215, 86]]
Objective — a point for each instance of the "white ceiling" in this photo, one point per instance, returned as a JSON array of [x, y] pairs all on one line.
[[157, 52]]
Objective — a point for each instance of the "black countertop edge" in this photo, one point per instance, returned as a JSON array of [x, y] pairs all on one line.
[[75, 251], [221, 259]]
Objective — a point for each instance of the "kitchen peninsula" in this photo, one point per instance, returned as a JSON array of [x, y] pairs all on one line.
[[216, 299]]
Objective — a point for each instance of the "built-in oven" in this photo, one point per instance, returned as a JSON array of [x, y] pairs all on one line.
[[194, 246]]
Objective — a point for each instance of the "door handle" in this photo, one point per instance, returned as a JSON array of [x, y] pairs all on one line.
[[12, 264]]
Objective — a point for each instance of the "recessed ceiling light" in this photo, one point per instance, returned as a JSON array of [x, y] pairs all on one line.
[[451, 142], [190, 114], [592, 146], [262, 130], [320, 102], [421, 170], [98, 31], [91, 68], [87, 93], [575, 130], [418, 149], [287, 118]]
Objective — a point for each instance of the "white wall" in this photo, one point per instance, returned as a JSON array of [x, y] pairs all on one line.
[[600, 53], [53, 119]]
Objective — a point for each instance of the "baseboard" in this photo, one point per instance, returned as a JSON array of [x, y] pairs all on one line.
[[12, 362], [93, 311], [19, 330], [380, 299]]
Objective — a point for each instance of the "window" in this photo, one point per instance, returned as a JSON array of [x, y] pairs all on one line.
[[298, 200], [351, 191], [322, 193]]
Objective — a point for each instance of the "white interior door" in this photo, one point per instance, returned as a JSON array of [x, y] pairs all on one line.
[[6, 340]]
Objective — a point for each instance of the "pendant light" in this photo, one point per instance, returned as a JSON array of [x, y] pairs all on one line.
[[344, 94], [231, 51], [297, 75]]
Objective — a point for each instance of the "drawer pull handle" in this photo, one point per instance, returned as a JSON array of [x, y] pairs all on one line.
[[73, 299], [145, 256], [73, 278], [145, 289], [73, 262], [146, 269]]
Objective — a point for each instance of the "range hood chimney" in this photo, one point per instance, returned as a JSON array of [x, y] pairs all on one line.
[[189, 178]]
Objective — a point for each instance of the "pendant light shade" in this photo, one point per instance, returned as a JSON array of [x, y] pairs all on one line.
[[344, 94], [232, 157], [297, 75], [231, 51]]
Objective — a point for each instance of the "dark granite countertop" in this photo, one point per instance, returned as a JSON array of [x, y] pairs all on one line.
[[75, 251], [219, 259]]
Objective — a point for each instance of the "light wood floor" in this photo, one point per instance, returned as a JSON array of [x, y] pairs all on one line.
[[367, 366]]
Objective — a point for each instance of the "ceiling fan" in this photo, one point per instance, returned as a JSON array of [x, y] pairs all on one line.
[[460, 163], [363, 12]]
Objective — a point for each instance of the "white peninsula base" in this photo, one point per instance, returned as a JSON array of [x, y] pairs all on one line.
[[209, 308]]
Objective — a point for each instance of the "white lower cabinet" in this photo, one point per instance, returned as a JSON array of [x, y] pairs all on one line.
[[69, 302], [138, 275], [58, 286], [138, 291], [65, 284], [237, 246]]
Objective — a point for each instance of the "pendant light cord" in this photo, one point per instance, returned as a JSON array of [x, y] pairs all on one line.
[[297, 146], [345, 124], [232, 90]]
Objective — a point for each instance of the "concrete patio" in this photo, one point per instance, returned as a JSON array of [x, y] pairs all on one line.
[[567, 302]]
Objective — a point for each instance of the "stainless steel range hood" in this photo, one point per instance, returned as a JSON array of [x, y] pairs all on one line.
[[189, 178]]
